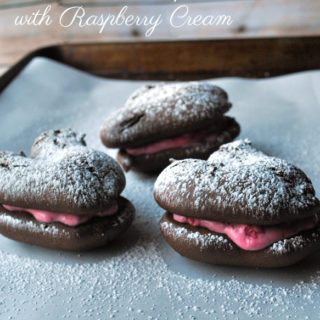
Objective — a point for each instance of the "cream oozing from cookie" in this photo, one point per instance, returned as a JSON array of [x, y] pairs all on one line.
[[250, 237], [65, 218], [180, 141]]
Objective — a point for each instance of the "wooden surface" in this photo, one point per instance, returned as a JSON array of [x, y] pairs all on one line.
[[256, 58], [260, 18], [184, 60]]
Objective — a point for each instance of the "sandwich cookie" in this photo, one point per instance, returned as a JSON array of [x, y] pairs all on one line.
[[240, 207], [64, 196], [164, 121]]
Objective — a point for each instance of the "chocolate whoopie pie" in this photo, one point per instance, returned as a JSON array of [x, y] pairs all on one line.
[[240, 207], [164, 121], [64, 196]]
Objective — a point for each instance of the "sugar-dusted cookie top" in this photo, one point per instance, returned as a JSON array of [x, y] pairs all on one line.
[[48, 143], [61, 175], [164, 110], [237, 184]]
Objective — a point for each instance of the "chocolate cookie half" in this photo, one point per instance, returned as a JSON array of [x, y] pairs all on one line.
[[64, 196], [240, 207], [166, 121], [98, 232]]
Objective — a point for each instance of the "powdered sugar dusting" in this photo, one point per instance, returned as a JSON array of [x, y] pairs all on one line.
[[237, 179], [30, 225], [155, 108], [204, 241], [208, 240], [138, 282], [295, 243], [184, 99], [142, 277], [62, 175], [48, 145]]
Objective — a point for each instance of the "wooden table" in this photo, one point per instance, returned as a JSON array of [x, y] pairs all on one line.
[[251, 18]]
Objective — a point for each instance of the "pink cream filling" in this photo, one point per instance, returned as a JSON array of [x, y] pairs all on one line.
[[183, 140], [249, 237], [65, 218]]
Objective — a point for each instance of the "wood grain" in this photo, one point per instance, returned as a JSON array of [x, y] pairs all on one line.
[[260, 18]]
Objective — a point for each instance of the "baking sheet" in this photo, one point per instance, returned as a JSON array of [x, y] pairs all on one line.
[[140, 276]]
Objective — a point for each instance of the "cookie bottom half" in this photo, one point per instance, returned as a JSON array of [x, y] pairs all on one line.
[[155, 162], [97, 232], [207, 246]]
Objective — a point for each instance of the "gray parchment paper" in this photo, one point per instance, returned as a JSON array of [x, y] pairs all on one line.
[[140, 276]]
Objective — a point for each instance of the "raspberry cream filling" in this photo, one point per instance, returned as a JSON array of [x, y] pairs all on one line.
[[65, 218], [183, 140], [249, 237]]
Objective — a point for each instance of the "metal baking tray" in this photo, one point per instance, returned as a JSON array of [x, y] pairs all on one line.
[[183, 60], [140, 276]]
